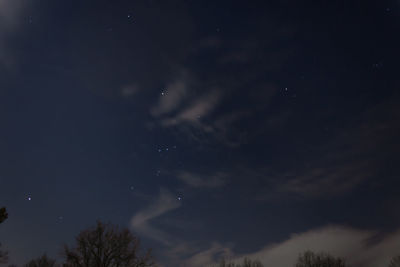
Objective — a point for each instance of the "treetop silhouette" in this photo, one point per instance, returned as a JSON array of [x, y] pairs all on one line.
[[106, 246]]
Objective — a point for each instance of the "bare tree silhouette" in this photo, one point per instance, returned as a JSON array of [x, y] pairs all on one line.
[[3, 254], [43, 261], [106, 246], [311, 259], [246, 263], [3, 214]]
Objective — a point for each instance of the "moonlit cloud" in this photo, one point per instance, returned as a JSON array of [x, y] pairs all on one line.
[[10, 20], [129, 90], [354, 245], [351, 244], [193, 113], [141, 221], [215, 251], [198, 181], [326, 181], [179, 106], [9, 13], [170, 98], [329, 171]]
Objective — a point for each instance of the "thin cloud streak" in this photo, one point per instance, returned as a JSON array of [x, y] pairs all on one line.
[[10, 20], [141, 221], [195, 111], [170, 98], [198, 181]]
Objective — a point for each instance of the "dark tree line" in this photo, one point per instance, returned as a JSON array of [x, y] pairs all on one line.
[[306, 259], [311, 259], [3, 214], [246, 263], [3, 254], [43, 261], [105, 245]]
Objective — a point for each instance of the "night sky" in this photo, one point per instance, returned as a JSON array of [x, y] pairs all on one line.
[[209, 128]]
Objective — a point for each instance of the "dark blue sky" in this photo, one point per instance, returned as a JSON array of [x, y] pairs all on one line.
[[209, 128]]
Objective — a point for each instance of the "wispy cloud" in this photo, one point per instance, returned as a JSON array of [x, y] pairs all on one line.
[[180, 104], [129, 90], [10, 20], [326, 181], [199, 104], [350, 157], [171, 97], [182, 107], [196, 115], [212, 254], [8, 12], [193, 113], [195, 180], [141, 221]]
